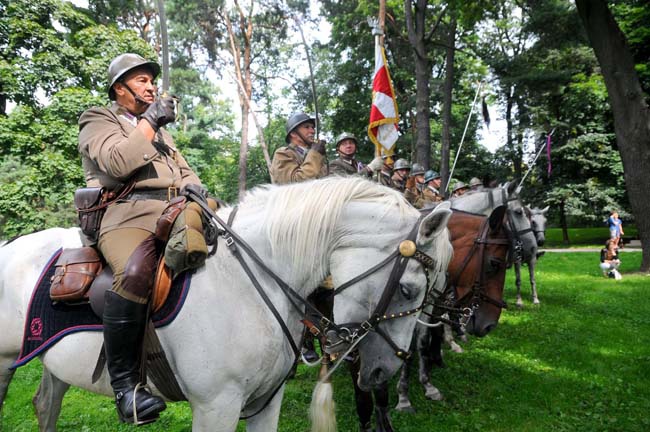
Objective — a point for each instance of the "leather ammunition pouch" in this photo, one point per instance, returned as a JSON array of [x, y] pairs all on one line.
[[169, 215], [89, 203], [74, 272]]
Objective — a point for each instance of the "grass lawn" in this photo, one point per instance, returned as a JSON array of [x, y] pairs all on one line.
[[577, 362], [582, 237]]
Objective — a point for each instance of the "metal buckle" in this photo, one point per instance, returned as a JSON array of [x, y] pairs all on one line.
[[366, 326], [229, 240], [172, 192]]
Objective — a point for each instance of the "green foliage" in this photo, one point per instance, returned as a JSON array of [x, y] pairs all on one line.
[[576, 362]]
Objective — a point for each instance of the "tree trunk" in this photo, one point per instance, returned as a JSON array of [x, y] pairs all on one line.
[[631, 113], [563, 224], [447, 93], [243, 151], [416, 32], [509, 127]]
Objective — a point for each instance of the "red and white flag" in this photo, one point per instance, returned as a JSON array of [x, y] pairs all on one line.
[[382, 129]]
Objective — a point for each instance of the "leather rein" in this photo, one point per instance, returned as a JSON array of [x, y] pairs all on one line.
[[348, 332]]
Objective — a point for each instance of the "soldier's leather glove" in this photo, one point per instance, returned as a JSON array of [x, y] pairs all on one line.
[[320, 146], [376, 164], [193, 190], [161, 112]]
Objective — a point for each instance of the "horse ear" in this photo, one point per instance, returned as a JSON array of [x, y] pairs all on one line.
[[496, 218], [544, 210], [433, 223], [528, 211], [511, 187]]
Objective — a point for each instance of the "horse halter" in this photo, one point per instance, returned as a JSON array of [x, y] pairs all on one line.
[[471, 301], [516, 251], [354, 331]]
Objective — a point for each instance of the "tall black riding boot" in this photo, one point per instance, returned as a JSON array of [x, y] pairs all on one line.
[[124, 325]]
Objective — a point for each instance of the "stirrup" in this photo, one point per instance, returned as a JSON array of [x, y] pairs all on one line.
[[135, 420]]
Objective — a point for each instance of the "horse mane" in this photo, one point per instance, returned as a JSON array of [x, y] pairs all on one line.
[[299, 219]]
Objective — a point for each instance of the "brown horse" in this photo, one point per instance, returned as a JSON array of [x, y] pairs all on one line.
[[474, 292]]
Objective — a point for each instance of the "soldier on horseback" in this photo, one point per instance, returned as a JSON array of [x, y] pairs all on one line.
[[125, 148], [346, 164], [401, 171], [302, 158]]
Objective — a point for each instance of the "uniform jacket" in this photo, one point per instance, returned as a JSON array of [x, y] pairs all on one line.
[[113, 151], [289, 165], [385, 178], [345, 167]]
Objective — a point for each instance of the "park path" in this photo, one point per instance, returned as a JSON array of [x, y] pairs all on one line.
[[633, 246]]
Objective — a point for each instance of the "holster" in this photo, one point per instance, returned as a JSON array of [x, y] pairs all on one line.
[[169, 215], [74, 272], [88, 203]]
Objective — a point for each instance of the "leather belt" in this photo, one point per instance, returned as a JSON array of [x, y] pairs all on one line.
[[153, 194]]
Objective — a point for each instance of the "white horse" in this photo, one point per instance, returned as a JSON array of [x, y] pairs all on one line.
[[537, 218], [484, 200], [226, 349]]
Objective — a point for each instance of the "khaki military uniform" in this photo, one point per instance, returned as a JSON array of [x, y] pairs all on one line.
[[430, 194], [292, 164], [113, 153], [346, 167], [385, 178]]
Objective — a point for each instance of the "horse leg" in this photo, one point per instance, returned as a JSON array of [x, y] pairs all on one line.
[[520, 302], [267, 419], [47, 401], [533, 284], [6, 375], [403, 402], [362, 399], [220, 414], [382, 417], [449, 338], [427, 359]]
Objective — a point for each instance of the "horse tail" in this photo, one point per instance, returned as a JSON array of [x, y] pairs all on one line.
[[321, 410]]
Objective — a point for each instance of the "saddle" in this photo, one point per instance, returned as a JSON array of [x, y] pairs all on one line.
[[81, 276]]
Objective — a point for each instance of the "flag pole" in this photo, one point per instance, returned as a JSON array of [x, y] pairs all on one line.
[[378, 32], [535, 160], [460, 146]]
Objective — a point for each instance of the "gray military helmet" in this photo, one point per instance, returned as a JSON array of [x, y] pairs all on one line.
[[417, 169], [344, 136], [124, 63], [475, 181], [402, 164], [295, 120], [459, 185], [430, 175]]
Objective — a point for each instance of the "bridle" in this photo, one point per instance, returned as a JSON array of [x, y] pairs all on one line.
[[354, 331], [349, 332], [467, 305], [516, 251]]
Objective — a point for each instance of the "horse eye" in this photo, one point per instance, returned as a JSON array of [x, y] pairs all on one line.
[[519, 211], [406, 292]]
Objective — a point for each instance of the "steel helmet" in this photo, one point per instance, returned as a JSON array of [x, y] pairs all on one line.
[[344, 136], [124, 63], [295, 120], [417, 169], [475, 181], [459, 185], [402, 164], [430, 175]]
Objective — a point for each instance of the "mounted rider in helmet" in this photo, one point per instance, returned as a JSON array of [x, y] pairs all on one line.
[[415, 186], [401, 171], [346, 164], [126, 144], [475, 183], [431, 191], [302, 158], [459, 189]]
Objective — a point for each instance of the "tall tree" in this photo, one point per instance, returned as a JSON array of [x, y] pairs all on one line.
[[631, 113]]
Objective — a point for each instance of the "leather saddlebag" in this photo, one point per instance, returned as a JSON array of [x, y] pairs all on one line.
[[168, 217], [74, 272], [88, 202]]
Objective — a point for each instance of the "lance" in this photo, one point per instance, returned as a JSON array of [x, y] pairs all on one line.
[[311, 75], [460, 146], [534, 160], [165, 44]]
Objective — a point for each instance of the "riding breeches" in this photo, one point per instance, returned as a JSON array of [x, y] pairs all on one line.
[[132, 255]]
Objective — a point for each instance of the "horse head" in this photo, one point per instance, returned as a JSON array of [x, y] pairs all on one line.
[[477, 270], [400, 262], [537, 219]]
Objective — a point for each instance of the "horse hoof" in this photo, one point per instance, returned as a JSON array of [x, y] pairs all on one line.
[[434, 395], [405, 408], [456, 348], [520, 304], [536, 301]]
